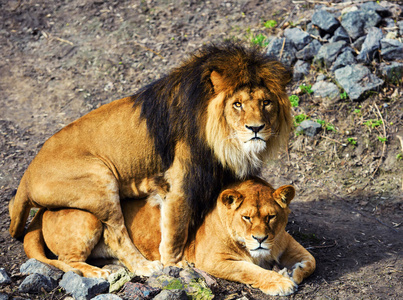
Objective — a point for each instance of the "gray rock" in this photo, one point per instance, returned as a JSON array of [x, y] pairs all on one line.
[[172, 295], [328, 53], [140, 291], [33, 266], [355, 22], [107, 297], [4, 278], [393, 71], [356, 80], [358, 43], [379, 9], [309, 128], [324, 89], [284, 54], [34, 283], [301, 69], [325, 21], [82, 288], [344, 59], [3, 296], [391, 49], [309, 52], [371, 45], [161, 281], [172, 271], [340, 35], [313, 29], [400, 25], [189, 275], [298, 37]]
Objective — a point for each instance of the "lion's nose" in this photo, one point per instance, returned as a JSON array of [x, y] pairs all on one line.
[[260, 240], [255, 129]]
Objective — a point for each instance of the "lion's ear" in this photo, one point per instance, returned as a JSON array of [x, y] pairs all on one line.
[[283, 195], [217, 81], [231, 199]]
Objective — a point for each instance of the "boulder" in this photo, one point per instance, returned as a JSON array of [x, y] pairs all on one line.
[[309, 128], [328, 53], [309, 51], [33, 266], [391, 49], [298, 37], [371, 45], [82, 288], [325, 21], [35, 283], [355, 22], [356, 80]]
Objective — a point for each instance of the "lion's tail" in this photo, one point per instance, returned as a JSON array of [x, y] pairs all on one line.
[[34, 245], [19, 208]]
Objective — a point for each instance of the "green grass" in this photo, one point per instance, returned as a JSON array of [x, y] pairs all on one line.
[[343, 95], [270, 24], [326, 125], [300, 118], [373, 123], [259, 40], [294, 99], [352, 141], [382, 139], [306, 89]]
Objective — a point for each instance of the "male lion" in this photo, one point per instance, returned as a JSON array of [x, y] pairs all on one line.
[[209, 122], [240, 237]]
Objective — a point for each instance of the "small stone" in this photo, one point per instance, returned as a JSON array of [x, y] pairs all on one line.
[[309, 128], [140, 291], [188, 275], [107, 297], [391, 49], [118, 279], [379, 9], [298, 37], [309, 52], [284, 54], [358, 43], [340, 35], [356, 22], [33, 266], [324, 89], [172, 271], [163, 281], [328, 53], [313, 29], [393, 71], [356, 80], [172, 295], [301, 69], [82, 288], [371, 45], [344, 59], [325, 21], [34, 283], [4, 278]]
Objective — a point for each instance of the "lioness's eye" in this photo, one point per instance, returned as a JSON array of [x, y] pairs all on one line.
[[246, 218], [237, 104], [266, 102], [270, 217]]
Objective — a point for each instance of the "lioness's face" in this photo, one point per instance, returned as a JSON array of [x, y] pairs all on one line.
[[256, 214], [252, 115]]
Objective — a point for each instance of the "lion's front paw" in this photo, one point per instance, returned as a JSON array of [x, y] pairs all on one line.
[[149, 267], [282, 286]]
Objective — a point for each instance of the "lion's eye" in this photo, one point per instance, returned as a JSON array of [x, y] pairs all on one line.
[[266, 102], [270, 217], [237, 104], [246, 218]]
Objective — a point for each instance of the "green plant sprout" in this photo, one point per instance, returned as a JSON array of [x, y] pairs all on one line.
[[327, 126], [306, 89], [259, 40], [300, 118], [373, 123], [399, 156], [294, 99], [382, 139], [343, 95], [270, 24], [352, 141]]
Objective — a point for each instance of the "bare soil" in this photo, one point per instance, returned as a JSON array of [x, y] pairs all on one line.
[[61, 59]]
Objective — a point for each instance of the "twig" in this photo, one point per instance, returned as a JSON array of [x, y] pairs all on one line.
[[384, 143], [321, 247], [282, 48], [331, 139], [148, 49], [50, 37]]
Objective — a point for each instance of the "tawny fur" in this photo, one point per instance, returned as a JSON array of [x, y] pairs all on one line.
[[241, 237], [209, 122]]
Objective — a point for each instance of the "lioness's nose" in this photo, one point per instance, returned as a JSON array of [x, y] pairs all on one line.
[[260, 240], [255, 129]]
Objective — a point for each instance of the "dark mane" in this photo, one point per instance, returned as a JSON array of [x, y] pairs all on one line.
[[175, 109]]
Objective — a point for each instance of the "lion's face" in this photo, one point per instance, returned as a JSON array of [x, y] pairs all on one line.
[[246, 125], [256, 214], [251, 116]]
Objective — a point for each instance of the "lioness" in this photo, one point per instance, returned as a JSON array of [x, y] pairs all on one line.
[[211, 121], [243, 234]]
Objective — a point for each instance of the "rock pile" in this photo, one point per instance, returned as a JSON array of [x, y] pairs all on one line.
[[172, 283], [360, 47]]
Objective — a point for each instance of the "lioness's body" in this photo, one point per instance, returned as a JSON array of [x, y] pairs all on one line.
[[209, 122], [226, 244]]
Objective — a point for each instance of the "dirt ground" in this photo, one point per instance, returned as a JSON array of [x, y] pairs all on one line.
[[61, 59]]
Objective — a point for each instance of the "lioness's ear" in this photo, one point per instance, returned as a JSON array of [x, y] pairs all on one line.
[[283, 195], [218, 82], [231, 198]]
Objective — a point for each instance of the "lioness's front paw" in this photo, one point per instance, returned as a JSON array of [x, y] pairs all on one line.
[[280, 287], [149, 267]]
